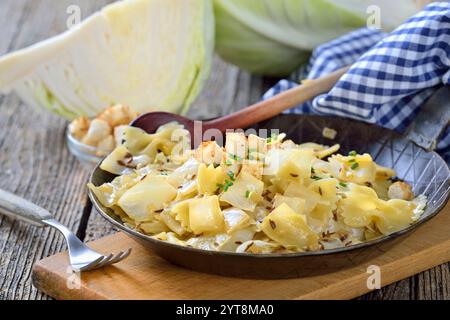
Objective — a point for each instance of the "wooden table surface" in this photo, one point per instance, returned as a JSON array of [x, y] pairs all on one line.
[[36, 164]]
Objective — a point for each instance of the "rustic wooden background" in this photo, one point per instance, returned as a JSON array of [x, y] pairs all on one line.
[[35, 162]]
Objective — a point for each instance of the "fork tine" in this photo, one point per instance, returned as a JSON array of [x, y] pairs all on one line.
[[115, 258], [94, 264], [88, 266], [120, 256], [105, 261], [127, 253]]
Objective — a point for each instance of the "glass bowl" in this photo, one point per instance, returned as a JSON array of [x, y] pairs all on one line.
[[86, 154]]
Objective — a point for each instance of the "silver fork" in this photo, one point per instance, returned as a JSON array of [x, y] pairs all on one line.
[[82, 258]]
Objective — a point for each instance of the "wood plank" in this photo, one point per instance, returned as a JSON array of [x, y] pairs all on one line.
[[11, 13], [217, 97], [34, 161], [146, 276], [23, 153]]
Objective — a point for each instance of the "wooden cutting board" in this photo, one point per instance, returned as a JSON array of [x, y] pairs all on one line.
[[146, 276]]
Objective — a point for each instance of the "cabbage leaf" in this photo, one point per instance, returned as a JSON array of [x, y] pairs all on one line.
[[274, 37], [148, 54]]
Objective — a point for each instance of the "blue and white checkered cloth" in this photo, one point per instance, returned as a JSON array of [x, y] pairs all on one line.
[[392, 74]]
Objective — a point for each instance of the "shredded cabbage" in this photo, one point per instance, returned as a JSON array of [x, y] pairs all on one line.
[[297, 207]]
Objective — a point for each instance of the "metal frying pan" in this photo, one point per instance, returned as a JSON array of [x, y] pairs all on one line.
[[425, 170]]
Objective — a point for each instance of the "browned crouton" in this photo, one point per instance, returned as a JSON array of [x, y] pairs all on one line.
[[209, 152], [400, 190]]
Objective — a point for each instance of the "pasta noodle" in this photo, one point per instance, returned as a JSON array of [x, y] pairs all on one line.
[[254, 195]]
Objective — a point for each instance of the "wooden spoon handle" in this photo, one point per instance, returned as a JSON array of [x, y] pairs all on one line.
[[271, 107]]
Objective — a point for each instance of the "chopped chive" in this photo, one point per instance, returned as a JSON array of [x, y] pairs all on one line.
[[234, 157], [247, 194], [220, 186], [227, 185], [313, 171], [355, 166], [228, 163], [316, 178], [343, 184], [351, 160], [272, 138], [231, 175], [352, 153]]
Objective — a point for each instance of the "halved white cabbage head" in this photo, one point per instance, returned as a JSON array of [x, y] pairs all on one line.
[[274, 37], [148, 54]]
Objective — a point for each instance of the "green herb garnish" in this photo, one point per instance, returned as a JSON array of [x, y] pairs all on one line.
[[343, 184], [228, 184], [228, 163], [316, 178], [225, 186], [247, 194], [272, 138], [231, 175], [352, 153], [355, 166], [220, 186], [234, 157]]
